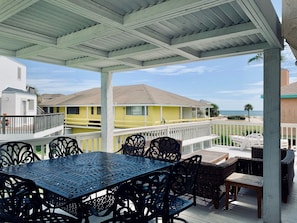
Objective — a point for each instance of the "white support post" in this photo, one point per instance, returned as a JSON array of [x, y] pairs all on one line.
[[107, 119], [271, 153]]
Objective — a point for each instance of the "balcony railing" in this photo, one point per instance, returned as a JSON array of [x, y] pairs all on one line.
[[30, 124], [225, 129], [91, 141]]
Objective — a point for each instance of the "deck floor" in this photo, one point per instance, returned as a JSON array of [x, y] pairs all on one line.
[[242, 210]]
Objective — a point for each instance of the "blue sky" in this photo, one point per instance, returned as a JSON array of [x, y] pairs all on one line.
[[230, 82]]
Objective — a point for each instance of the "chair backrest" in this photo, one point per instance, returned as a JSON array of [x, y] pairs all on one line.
[[15, 153], [19, 199], [184, 176], [63, 146], [164, 148], [138, 200], [134, 145]]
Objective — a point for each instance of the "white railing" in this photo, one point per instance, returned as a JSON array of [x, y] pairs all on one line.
[[92, 141], [224, 129], [29, 124]]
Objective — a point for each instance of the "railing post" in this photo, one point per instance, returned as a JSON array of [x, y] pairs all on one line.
[[3, 124], [34, 124]]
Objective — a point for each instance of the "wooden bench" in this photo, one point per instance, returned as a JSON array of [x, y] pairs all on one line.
[[201, 140]]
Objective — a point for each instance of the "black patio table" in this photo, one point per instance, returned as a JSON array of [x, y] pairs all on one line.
[[77, 176]]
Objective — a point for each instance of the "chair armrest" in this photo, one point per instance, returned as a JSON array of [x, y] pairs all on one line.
[[229, 166], [287, 166]]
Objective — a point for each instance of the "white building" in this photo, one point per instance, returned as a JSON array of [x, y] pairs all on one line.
[[15, 100]]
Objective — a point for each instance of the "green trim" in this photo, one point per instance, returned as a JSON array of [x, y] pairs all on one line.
[[285, 96], [289, 96]]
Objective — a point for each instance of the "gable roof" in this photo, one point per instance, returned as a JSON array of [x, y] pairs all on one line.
[[126, 95], [289, 91], [15, 90]]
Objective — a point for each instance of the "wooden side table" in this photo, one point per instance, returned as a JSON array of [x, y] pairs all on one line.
[[247, 181]]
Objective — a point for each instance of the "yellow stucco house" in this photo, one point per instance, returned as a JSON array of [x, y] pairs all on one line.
[[134, 106]]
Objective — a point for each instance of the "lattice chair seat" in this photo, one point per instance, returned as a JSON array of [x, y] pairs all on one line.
[[164, 148], [20, 201]]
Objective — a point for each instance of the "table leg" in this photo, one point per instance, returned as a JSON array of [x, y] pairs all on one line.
[[235, 193], [227, 195]]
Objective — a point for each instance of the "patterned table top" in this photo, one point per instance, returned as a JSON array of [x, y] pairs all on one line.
[[80, 175]]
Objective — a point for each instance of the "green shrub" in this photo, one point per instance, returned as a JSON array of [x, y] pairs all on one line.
[[236, 117]]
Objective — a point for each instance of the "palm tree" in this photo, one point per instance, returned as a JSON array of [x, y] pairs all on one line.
[[214, 111], [260, 56], [248, 107]]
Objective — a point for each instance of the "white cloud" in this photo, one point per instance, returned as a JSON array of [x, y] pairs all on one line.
[[259, 83], [293, 79], [61, 86], [241, 92], [176, 70]]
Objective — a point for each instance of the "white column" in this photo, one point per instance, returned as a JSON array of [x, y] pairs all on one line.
[[271, 153], [145, 117], [180, 113], [107, 119], [161, 114]]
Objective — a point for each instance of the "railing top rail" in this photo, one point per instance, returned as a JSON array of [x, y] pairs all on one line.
[[231, 122], [159, 127], [30, 116]]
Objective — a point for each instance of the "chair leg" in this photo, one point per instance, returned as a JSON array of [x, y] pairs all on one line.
[[179, 219]]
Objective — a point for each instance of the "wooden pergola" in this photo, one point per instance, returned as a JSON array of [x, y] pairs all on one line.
[[113, 36]]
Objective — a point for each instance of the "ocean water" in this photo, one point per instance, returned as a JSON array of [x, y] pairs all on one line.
[[241, 113]]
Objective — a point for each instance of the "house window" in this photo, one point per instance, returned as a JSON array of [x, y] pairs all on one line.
[[19, 73], [98, 110], [31, 104], [73, 110], [58, 109], [136, 110], [45, 109], [92, 110]]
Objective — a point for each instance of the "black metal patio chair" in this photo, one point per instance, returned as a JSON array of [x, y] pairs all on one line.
[[95, 204], [21, 201], [164, 148], [15, 153], [134, 145], [140, 199], [183, 186], [63, 146]]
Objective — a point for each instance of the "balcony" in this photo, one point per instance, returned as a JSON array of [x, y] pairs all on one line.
[[30, 126]]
